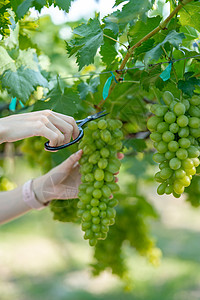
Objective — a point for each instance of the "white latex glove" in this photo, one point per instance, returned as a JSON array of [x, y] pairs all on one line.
[[62, 182], [57, 128]]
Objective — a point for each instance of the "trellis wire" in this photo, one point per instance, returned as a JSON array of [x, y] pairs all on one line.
[[126, 69]]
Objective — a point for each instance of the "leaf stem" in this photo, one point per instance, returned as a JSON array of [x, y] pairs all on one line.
[[130, 51], [109, 37]]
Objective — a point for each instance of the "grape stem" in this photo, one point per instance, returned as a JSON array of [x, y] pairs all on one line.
[[161, 26]]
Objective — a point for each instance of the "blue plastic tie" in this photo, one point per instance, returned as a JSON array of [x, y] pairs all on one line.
[[107, 85], [13, 103], [165, 75]]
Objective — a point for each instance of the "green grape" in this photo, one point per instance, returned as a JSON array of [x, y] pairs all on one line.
[[105, 135], [104, 152], [170, 117], [102, 124], [93, 125], [194, 122], [184, 143], [162, 127], [156, 136], [180, 173], [175, 163], [182, 153], [178, 187], [186, 103], [184, 132], [179, 109], [194, 111], [169, 189], [161, 188], [173, 146], [162, 147], [195, 100], [95, 208], [174, 128], [187, 163], [196, 162], [195, 132], [163, 165], [158, 177], [182, 121], [185, 181], [168, 97], [153, 122], [161, 110], [168, 136], [166, 173], [159, 157], [99, 174], [169, 155]]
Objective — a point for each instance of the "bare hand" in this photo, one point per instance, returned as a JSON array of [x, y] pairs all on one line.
[[57, 128]]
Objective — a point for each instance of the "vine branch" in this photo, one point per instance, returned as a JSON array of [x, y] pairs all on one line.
[[161, 26]]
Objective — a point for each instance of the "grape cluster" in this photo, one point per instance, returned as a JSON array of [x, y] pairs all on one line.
[[33, 148], [64, 210], [99, 163], [176, 134]]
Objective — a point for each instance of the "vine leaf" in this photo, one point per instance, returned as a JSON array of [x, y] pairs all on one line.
[[23, 8], [59, 101], [133, 10], [85, 88], [22, 82], [86, 45], [141, 29], [108, 51], [188, 85], [191, 15], [173, 38]]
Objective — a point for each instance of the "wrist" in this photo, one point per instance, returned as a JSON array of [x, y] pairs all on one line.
[[38, 189]]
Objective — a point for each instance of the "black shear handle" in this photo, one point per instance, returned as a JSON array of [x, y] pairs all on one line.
[[50, 148]]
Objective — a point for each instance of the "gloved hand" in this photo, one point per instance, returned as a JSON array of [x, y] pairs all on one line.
[[62, 182], [57, 128]]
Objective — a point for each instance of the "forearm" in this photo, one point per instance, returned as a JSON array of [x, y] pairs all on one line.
[[12, 205]]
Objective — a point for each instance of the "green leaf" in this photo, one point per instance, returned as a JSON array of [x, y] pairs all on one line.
[[108, 51], [6, 61], [61, 102], [117, 2], [141, 29], [22, 82], [190, 15], [23, 8], [86, 46], [85, 88], [174, 38], [133, 10], [188, 85], [63, 4]]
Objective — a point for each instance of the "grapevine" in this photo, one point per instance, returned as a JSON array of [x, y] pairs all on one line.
[[175, 133]]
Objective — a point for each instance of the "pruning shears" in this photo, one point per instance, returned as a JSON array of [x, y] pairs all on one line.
[[80, 123]]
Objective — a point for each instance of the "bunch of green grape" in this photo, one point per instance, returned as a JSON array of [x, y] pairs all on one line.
[[33, 148], [176, 134], [64, 210], [99, 163]]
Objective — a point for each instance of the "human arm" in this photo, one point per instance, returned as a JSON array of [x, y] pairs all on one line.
[[61, 182], [56, 127]]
